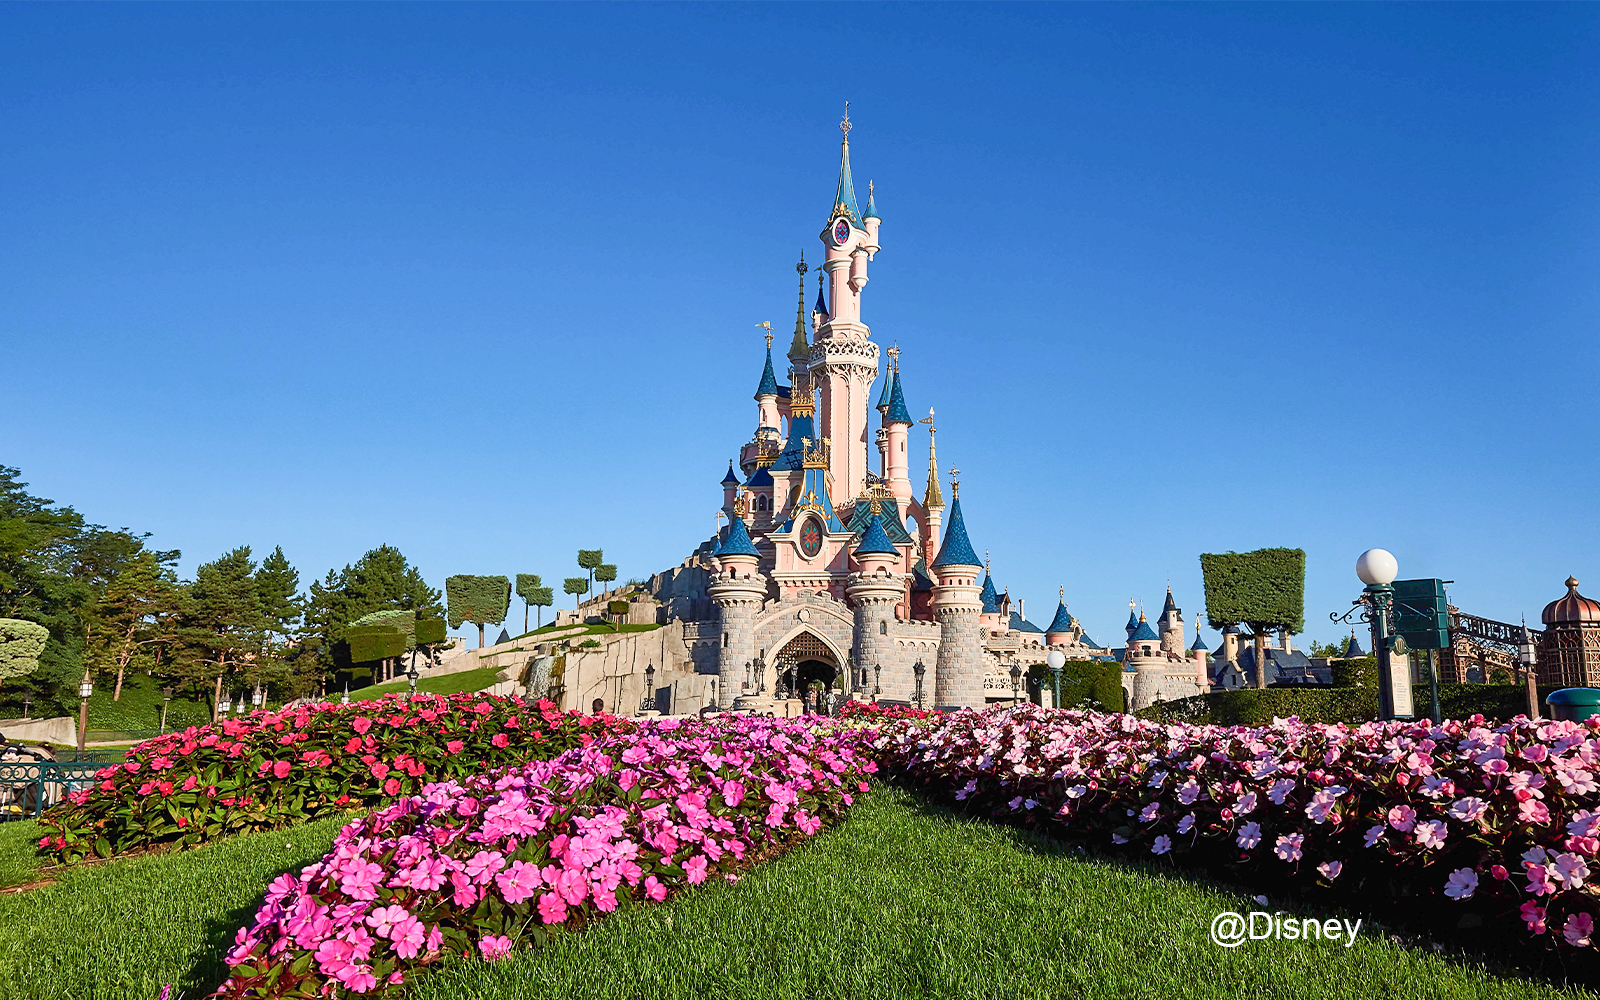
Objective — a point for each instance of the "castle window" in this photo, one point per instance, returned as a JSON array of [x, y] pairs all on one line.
[[1145, 650], [883, 628], [724, 640]]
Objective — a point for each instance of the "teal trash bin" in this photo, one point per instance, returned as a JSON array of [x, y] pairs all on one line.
[[1573, 704]]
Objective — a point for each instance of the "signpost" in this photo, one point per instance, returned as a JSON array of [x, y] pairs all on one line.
[[1422, 621]]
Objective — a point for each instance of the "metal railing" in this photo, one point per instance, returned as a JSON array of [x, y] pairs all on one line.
[[28, 788]]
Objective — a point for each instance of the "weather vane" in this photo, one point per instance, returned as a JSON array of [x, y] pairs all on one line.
[[767, 326], [844, 125]]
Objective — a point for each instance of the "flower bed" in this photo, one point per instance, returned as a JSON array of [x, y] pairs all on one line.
[[274, 769], [480, 865], [873, 711], [1506, 816]]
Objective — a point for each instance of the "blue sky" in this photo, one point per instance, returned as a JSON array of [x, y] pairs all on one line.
[[481, 281]]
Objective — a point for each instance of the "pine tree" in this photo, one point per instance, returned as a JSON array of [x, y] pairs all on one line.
[[138, 611], [222, 619], [381, 580]]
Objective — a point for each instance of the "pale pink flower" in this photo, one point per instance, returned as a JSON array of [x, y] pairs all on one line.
[[1162, 845], [1578, 930], [1249, 835], [1288, 846], [1461, 884]]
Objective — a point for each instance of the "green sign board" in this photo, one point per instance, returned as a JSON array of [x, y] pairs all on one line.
[[1421, 614]]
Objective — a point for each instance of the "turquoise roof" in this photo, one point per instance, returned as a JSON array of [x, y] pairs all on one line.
[[769, 381], [1062, 623], [815, 484], [990, 596], [956, 551], [1199, 643], [889, 512], [876, 540], [845, 197], [790, 459], [1144, 633], [730, 479], [872, 204], [897, 404], [738, 542], [883, 397]]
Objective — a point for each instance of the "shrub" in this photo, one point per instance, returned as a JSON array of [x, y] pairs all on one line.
[[480, 865], [1352, 705], [275, 769], [1362, 672], [21, 642], [1089, 684], [1508, 816]]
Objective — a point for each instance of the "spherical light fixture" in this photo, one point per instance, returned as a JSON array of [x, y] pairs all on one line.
[[1377, 568], [1055, 659]]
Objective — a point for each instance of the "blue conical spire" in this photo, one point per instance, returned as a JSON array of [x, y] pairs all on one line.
[[1142, 632], [956, 551], [875, 541], [769, 381], [872, 206], [1062, 623], [844, 200], [989, 595], [898, 414], [730, 479], [887, 393], [1198, 643], [738, 541], [1133, 622]]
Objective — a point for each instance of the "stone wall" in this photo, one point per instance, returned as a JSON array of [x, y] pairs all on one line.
[[63, 729]]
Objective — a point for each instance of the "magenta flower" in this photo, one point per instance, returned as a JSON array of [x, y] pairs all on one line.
[[1578, 930], [495, 946], [1288, 846], [518, 882]]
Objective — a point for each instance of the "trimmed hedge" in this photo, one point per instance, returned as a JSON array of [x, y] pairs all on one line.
[[1265, 589], [1337, 704], [1089, 684], [481, 600]]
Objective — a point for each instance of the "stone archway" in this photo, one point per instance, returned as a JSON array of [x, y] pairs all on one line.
[[803, 659]]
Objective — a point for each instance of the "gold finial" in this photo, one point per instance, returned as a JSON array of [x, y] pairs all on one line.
[[986, 561], [844, 125], [955, 483], [801, 267], [1062, 594], [767, 326], [894, 355]]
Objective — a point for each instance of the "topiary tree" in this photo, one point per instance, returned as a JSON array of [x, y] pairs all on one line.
[[21, 642], [605, 573], [619, 611], [527, 585], [382, 636], [590, 559], [542, 597], [1264, 590], [481, 600], [575, 585]]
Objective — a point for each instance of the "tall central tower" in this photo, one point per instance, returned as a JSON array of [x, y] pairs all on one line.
[[844, 360]]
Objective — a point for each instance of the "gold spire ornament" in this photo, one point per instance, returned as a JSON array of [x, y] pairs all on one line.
[[844, 124], [767, 326]]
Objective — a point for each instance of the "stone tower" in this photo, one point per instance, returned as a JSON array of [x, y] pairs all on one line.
[[737, 589], [1171, 623], [958, 676], [875, 588]]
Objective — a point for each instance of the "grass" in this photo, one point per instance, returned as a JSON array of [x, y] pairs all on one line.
[[466, 680], [597, 629], [139, 708], [19, 864], [901, 900]]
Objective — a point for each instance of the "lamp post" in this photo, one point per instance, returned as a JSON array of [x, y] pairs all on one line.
[[85, 689], [919, 670], [345, 698], [257, 697], [1055, 659], [1527, 656], [877, 681], [1377, 569], [166, 699], [1016, 685], [649, 703]]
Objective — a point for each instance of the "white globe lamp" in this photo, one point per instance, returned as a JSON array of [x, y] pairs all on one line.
[[1377, 568], [1055, 659]]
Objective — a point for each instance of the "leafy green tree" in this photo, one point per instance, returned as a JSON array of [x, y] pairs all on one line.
[[138, 613], [590, 559], [481, 600], [575, 585], [21, 642], [1264, 589], [222, 625], [527, 584], [541, 598], [381, 580], [605, 573]]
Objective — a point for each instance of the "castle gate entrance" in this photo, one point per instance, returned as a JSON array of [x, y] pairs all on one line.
[[802, 661]]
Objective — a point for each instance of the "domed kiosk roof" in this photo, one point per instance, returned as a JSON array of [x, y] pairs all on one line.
[[1574, 607]]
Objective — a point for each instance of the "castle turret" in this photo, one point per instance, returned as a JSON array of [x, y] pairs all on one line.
[[1060, 632], [932, 499], [870, 220], [1171, 623], [1200, 655], [767, 399], [875, 588], [958, 677], [737, 589], [730, 489], [897, 428]]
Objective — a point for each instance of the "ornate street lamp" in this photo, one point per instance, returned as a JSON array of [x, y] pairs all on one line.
[[919, 670], [1527, 656], [256, 698], [877, 680], [1055, 659], [166, 699], [1016, 685], [85, 689], [649, 703], [345, 698], [1377, 569]]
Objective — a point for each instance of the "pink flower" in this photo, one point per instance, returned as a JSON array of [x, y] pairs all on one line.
[[732, 793], [495, 946], [482, 866], [695, 869], [1330, 869], [361, 724], [1249, 835], [407, 936], [1578, 930], [653, 889], [1533, 916], [1245, 805], [280, 769], [518, 882], [1533, 811], [552, 908], [1461, 884], [1402, 818], [1431, 834], [501, 740], [571, 886], [1288, 846], [385, 918]]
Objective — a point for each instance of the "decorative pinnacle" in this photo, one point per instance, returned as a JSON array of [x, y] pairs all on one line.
[[801, 267], [844, 125], [955, 483], [767, 326], [894, 355], [1062, 594]]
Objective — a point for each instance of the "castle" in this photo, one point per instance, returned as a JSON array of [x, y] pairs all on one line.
[[830, 568]]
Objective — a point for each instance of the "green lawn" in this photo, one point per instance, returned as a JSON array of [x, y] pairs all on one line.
[[600, 629], [901, 900], [19, 864], [466, 680]]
